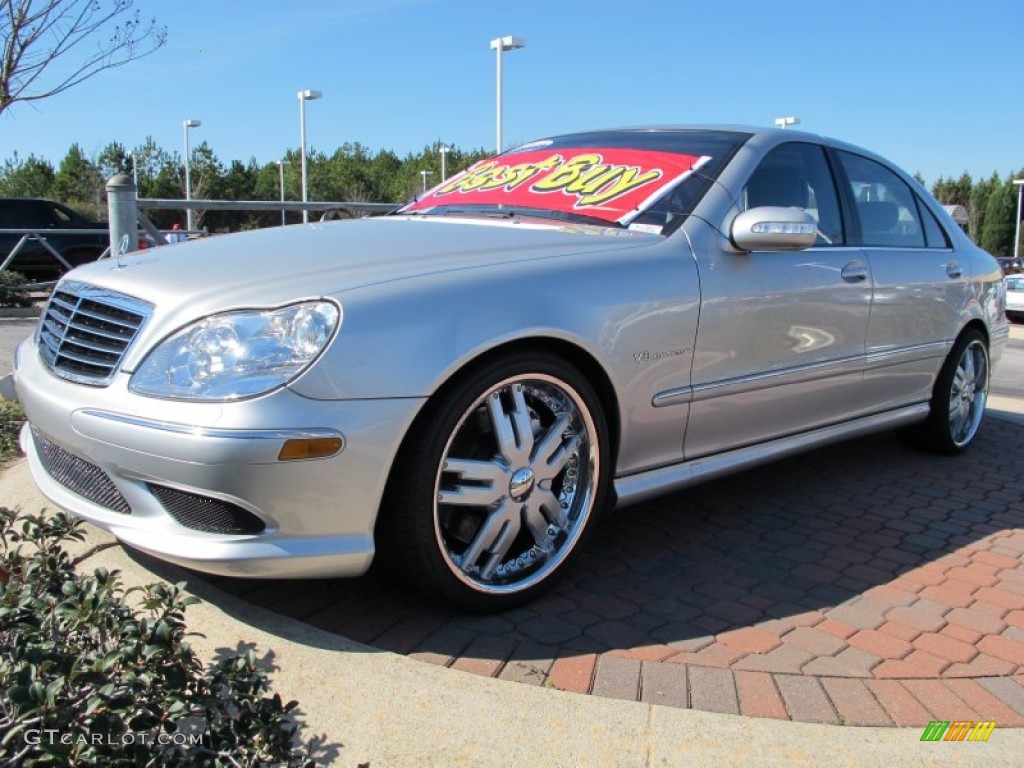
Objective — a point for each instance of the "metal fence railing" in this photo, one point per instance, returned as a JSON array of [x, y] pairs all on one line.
[[127, 219]]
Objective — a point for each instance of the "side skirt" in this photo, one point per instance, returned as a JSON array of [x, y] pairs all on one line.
[[645, 485]]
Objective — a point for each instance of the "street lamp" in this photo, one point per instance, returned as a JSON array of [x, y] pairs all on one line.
[[189, 215], [1016, 240], [305, 96], [785, 122], [280, 172], [501, 44], [424, 174], [444, 150]]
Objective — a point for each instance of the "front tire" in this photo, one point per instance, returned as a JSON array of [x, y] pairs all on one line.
[[499, 483], [958, 399]]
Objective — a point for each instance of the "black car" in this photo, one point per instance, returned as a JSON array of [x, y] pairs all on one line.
[[46, 219]]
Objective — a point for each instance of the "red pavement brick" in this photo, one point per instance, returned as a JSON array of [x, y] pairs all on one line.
[[653, 653], [1002, 648], [927, 575], [837, 628], [1000, 597], [854, 702], [1015, 619], [573, 673], [890, 595], [899, 704], [900, 630], [926, 621], [750, 640], [758, 695], [982, 575], [939, 699], [981, 665], [805, 699], [917, 664], [946, 647], [998, 561], [981, 700], [880, 644], [961, 633], [953, 593]]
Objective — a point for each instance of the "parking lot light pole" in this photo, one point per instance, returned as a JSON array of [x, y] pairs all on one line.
[[501, 44], [189, 214], [280, 172], [1016, 237], [785, 122], [444, 150], [424, 174], [305, 96]]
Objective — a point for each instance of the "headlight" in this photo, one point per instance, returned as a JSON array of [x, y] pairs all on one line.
[[237, 354]]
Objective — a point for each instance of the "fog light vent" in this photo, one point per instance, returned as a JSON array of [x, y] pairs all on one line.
[[203, 513]]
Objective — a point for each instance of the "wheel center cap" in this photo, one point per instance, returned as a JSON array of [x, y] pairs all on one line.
[[521, 484]]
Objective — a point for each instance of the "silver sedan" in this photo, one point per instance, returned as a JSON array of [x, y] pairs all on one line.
[[462, 387]]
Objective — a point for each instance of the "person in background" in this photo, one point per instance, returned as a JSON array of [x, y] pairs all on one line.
[[176, 235]]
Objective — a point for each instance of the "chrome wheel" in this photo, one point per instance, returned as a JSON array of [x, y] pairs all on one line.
[[517, 484], [968, 393]]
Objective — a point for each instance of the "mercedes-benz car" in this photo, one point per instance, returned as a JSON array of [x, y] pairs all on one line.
[[579, 323]]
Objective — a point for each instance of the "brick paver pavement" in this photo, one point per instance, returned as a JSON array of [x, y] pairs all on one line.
[[865, 584]]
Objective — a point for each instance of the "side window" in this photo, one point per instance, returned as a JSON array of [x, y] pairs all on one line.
[[935, 236], [797, 175], [885, 204], [62, 217]]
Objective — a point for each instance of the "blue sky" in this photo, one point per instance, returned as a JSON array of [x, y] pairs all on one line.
[[931, 84]]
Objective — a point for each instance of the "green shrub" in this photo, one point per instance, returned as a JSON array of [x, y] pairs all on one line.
[[86, 681], [11, 419], [12, 290]]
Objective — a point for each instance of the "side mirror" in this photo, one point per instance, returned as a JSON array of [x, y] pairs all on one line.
[[773, 228]]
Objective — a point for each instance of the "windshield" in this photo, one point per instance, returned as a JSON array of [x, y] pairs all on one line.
[[638, 179]]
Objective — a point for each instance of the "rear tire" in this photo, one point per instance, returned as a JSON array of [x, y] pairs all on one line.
[[958, 399]]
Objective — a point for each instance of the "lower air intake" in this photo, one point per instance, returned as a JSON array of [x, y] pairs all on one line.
[[202, 513]]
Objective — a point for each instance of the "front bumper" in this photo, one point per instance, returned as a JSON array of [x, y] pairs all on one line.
[[315, 518]]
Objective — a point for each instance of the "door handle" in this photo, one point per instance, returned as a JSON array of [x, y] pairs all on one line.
[[954, 270], [854, 272]]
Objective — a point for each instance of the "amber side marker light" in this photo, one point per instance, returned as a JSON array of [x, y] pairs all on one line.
[[310, 448]]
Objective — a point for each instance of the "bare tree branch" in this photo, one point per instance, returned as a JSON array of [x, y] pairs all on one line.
[[52, 45]]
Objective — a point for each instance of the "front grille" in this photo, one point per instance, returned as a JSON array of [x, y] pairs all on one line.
[[202, 513], [79, 476], [86, 330]]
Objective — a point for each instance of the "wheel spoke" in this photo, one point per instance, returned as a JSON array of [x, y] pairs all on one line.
[[495, 535], [481, 483], [544, 508], [512, 427]]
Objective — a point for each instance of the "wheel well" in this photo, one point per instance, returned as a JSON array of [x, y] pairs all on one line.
[[978, 326], [579, 358]]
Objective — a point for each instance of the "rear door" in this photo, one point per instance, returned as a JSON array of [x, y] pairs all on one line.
[[780, 347], [921, 286]]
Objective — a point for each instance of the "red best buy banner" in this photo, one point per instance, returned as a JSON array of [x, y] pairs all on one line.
[[606, 183]]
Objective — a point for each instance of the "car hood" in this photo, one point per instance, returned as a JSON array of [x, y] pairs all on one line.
[[283, 264]]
